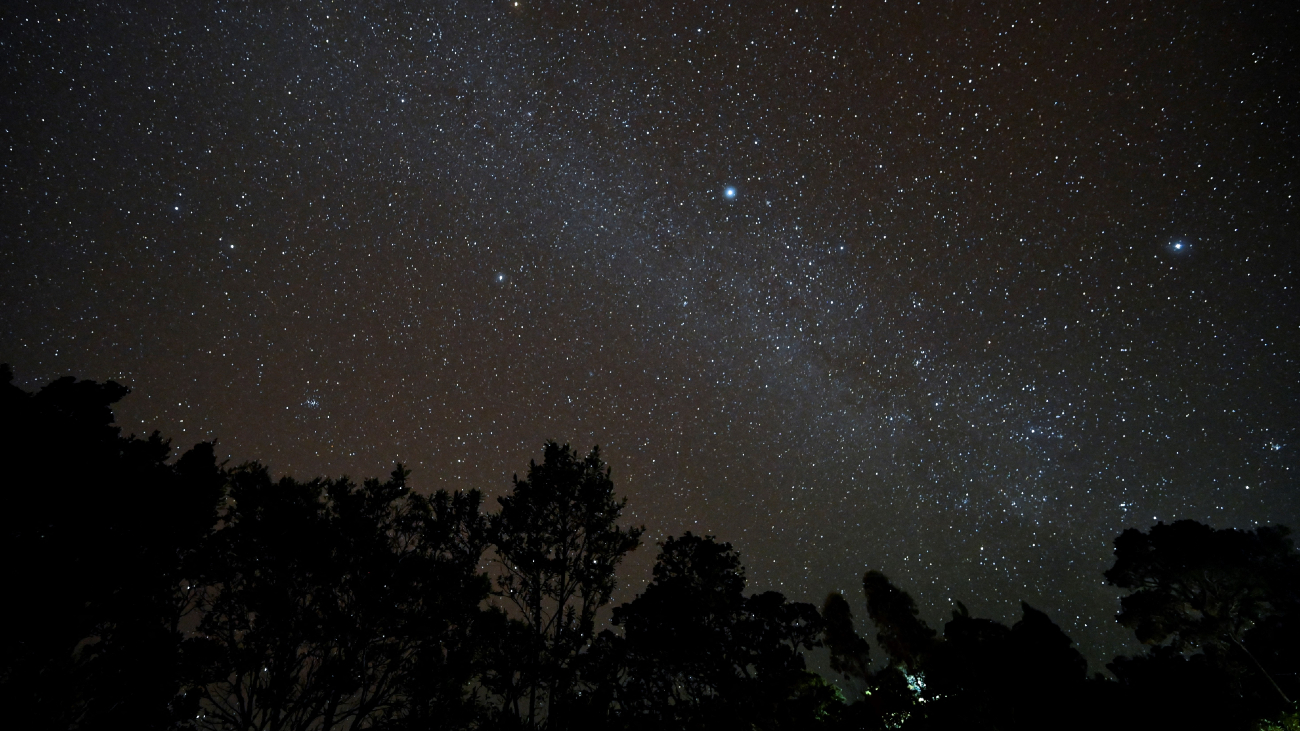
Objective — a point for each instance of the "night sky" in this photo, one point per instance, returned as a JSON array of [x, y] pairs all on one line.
[[957, 291]]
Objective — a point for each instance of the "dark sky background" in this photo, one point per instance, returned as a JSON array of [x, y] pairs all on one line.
[[955, 291]]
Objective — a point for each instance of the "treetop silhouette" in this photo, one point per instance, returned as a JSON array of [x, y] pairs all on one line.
[[172, 592]]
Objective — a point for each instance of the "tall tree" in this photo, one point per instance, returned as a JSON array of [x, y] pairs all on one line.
[[448, 628], [100, 532], [558, 543], [1196, 588], [700, 654], [901, 632], [850, 652]]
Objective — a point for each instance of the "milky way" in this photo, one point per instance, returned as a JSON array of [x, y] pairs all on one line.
[[953, 291]]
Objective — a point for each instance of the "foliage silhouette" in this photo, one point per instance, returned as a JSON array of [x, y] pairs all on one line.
[[698, 653], [558, 543], [850, 653], [155, 593], [979, 674], [332, 605], [902, 634], [105, 528], [1220, 608]]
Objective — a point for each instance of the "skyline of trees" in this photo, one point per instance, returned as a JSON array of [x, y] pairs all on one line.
[[163, 592]]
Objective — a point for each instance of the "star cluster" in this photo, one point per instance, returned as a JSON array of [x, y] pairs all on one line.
[[957, 292]]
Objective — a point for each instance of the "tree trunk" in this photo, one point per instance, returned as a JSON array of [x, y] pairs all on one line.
[[1259, 665]]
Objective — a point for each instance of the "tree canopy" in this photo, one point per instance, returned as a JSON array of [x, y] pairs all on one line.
[[558, 544], [103, 531], [1220, 610], [163, 591], [698, 653]]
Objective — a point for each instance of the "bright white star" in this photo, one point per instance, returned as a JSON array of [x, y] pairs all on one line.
[[729, 192]]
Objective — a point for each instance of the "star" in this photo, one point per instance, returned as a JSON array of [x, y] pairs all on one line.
[[729, 192]]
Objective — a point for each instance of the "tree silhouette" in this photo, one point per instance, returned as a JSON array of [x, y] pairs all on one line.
[[1194, 587], [448, 629], [979, 674], [158, 592], [102, 533], [975, 657], [901, 632], [1040, 644], [699, 653], [331, 605], [558, 543], [1229, 596], [1028, 676], [850, 653]]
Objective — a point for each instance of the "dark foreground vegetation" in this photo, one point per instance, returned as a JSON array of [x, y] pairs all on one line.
[[148, 592]]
